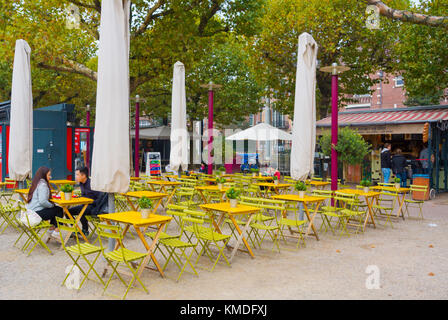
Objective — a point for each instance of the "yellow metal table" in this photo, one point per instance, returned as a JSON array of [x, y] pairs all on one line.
[[59, 183], [162, 188], [148, 194], [369, 198], [305, 201], [224, 209], [399, 193], [134, 218], [318, 184], [276, 188], [65, 204], [23, 193], [203, 189]]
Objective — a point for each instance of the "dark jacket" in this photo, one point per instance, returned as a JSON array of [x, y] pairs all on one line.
[[386, 159], [398, 164], [101, 204], [86, 191]]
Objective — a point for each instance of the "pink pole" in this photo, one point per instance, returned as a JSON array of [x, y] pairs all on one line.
[[210, 131], [334, 131], [88, 138], [137, 138]]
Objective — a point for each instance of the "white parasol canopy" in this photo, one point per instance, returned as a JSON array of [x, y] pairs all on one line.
[[304, 122], [111, 153], [179, 152], [261, 132], [20, 157]]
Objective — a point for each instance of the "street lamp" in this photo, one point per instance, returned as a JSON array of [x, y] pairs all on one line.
[[210, 86], [335, 70], [88, 137], [137, 137]]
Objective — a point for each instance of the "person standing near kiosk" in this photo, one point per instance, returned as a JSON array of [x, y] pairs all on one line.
[[386, 162]]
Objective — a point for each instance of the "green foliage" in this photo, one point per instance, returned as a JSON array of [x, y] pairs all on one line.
[[351, 147], [300, 186], [232, 193], [254, 170], [275, 178], [67, 188], [397, 180], [222, 169], [365, 183], [144, 203], [220, 180]]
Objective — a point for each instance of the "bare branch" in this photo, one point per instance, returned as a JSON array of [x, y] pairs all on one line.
[[149, 16], [70, 66], [96, 6], [408, 16]]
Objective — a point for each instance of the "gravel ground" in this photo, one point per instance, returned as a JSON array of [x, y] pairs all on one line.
[[411, 258]]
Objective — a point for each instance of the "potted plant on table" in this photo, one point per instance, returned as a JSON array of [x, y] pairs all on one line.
[[397, 182], [366, 184], [66, 192], [145, 205], [221, 170], [275, 180], [300, 186], [232, 194], [254, 171], [220, 182]]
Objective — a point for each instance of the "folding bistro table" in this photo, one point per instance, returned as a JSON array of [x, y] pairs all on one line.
[[369, 198], [134, 218], [59, 183], [23, 193], [65, 204], [148, 194], [305, 201], [162, 187], [397, 193], [203, 189], [224, 209], [276, 188], [318, 184]]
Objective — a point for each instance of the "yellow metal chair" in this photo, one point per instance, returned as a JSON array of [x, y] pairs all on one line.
[[416, 203], [79, 250], [120, 256]]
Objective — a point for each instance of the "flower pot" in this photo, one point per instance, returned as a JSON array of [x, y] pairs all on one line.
[[397, 185], [276, 182], [366, 189], [219, 186], [233, 203], [301, 194], [67, 196], [254, 175], [145, 213]]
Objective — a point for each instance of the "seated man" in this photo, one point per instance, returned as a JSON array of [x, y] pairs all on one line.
[[100, 198]]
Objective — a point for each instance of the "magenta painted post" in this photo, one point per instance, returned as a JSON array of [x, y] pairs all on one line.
[[137, 138], [334, 131], [88, 138], [210, 131]]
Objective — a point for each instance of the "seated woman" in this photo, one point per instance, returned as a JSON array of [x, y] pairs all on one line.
[[38, 199]]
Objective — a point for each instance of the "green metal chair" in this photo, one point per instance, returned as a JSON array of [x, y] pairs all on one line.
[[409, 203]]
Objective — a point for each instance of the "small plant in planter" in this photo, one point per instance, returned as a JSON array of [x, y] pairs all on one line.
[[232, 194], [397, 182], [145, 205], [67, 191], [275, 179], [254, 171], [366, 184], [221, 170], [220, 182], [301, 187]]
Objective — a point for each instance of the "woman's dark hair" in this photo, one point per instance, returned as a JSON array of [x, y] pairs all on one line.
[[41, 173]]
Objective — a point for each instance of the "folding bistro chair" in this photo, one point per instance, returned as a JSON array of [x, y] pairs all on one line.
[[8, 213], [416, 203], [385, 206], [206, 236], [79, 250], [120, 256]]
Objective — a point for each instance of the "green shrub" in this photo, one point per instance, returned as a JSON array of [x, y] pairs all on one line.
[[365, 183], [300, 186], [232, 193], [67, 188]]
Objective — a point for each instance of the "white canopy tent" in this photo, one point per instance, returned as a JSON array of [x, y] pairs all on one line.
[[111, 152], [304, 121], [20, 157], [261, 132], [179, 152]]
